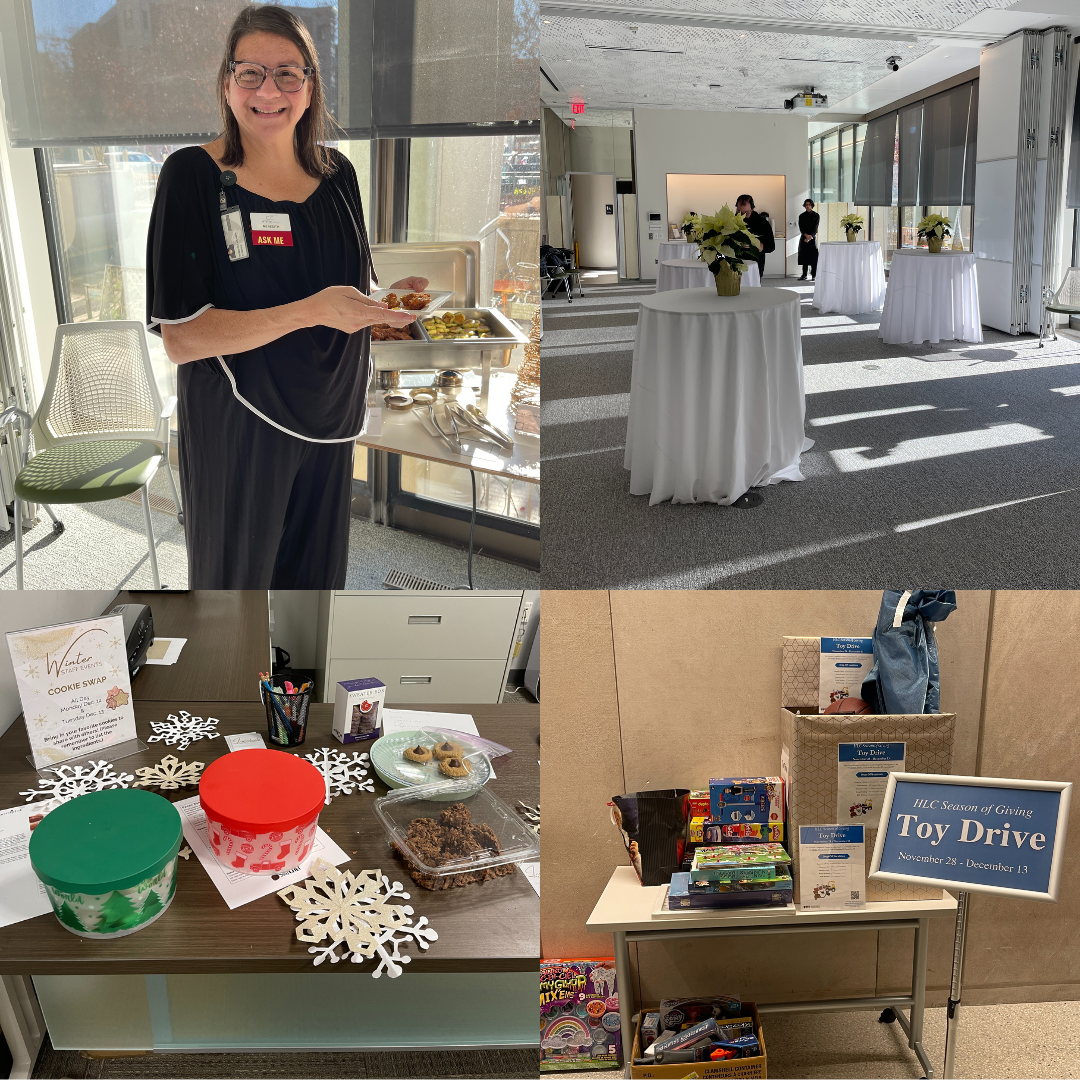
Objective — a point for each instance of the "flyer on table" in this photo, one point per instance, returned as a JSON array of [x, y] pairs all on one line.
[[74, 685], [832, 867], [862, 776]]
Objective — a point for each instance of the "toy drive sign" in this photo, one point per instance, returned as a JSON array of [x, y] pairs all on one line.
[[973, 833]]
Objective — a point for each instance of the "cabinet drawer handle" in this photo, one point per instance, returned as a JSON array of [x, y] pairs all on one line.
[[425, 620], [414, 680]]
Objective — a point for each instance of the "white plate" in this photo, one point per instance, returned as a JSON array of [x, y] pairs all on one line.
[[438, 299]]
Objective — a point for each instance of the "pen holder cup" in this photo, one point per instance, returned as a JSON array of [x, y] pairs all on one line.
[[286, 715]]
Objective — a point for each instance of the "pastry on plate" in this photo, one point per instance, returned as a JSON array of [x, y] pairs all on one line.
[[447, 749], [420, 754]]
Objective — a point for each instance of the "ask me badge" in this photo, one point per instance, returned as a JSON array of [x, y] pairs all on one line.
[[75, 689]]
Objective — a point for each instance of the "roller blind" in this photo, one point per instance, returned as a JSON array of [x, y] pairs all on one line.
[[78, 72], [944, 146], [910, 148], [1072, 190], [875, 183], [972, 140]]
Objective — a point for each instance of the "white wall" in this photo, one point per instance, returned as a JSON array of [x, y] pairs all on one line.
[[667, 140], [24, 610]]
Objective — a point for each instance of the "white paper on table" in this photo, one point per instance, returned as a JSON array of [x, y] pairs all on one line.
[[172, 650], [22, 896], [246, 740], [395, 720], [238, 889], [532, 871]]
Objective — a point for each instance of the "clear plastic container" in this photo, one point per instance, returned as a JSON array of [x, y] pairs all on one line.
[[388, 756], [446, 851]]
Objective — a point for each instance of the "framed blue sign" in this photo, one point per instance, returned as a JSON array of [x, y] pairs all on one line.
[[973, 833]]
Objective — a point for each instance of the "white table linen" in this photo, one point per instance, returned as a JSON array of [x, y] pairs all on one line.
[[931, 297], [716, 395], [694, 274], [676, 249], [850, 277]]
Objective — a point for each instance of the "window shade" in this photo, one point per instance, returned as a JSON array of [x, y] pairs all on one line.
[[875, 183], [972, 139], [910, 148], [142, 73], [944, 146]]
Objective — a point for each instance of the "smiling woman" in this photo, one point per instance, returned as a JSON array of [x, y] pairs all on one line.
[[271, 336]]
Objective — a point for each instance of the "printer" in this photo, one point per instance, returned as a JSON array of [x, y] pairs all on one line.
[[138, 633]]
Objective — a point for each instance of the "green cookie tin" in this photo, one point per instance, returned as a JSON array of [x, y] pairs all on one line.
[[108, 860]]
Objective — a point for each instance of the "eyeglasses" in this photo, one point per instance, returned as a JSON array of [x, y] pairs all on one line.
[[250, 76]]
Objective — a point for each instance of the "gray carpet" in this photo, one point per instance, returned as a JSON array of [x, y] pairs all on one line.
[[56, 1064], [104, 545], [967, 429]]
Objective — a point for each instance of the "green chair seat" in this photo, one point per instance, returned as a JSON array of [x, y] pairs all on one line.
[[87, 472], [1062, 309]]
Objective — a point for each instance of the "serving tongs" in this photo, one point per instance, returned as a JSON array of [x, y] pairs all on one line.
[[452, 441], [472, 416]]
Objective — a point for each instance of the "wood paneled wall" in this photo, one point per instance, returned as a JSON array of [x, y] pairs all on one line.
[[666, 688]]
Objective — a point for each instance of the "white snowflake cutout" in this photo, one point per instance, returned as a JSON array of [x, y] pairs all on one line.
[[170, 773], [74, 780], [180, 731], [343, 774], [355, 913]]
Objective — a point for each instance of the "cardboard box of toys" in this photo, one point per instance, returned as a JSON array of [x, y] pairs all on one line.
[[579, 1015], [358, 706], [747, 1068]]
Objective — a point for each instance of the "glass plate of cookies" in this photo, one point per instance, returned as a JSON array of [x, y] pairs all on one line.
[[425, 756]]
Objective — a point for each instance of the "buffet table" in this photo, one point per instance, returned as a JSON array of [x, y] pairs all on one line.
[[716, 395], [676, 249], [694, 274], [628, 911], [205, 977], [850, 277], [931, 297]]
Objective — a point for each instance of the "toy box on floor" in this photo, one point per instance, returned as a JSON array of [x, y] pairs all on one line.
[[579, 1015], [732, 1036]]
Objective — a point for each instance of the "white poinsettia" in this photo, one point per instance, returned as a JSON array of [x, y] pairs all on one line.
[[724, 238], [934, 225], [852, 222]]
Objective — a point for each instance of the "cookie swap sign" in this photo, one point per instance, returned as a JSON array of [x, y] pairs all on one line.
[[74, 685]]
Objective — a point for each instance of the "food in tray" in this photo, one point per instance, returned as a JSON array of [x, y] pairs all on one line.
[[419, 754], [455, 767], [414, 301], [386, 332], [452, 838], [455, 324], [391, 300]]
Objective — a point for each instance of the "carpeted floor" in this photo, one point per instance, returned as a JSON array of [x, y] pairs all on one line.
[[951, 464], [1014, 1041], [56, 1064], [104, 544]]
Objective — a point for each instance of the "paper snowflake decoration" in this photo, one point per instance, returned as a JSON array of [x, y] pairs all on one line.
[[181, 731], [74, 780], [354, 912], [343, 774], [170, 773]]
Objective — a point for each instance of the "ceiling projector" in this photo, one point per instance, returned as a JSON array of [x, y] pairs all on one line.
[[806, 99]]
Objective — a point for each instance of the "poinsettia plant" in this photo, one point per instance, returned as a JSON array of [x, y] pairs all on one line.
[[852, 222], [689, 223], [724, 237], [934, 225]]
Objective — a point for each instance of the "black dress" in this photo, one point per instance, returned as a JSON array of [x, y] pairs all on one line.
[[761, 228], [266, 437], [809, 221]]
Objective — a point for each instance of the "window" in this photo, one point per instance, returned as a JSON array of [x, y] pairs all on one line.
[[847, 164], [885, 229], [959, 222], [830, 158]]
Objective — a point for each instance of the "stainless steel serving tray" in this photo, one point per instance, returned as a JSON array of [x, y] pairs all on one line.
[[422, 352]]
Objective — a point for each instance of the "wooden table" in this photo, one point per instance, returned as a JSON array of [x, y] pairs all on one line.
[[493, 927], [228, 644], [626, 911]]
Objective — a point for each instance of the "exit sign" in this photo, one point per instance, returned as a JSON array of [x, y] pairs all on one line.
[[577, 106]]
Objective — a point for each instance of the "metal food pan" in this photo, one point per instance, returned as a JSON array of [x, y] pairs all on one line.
[[504, 333], [423, 353], [414, 328]]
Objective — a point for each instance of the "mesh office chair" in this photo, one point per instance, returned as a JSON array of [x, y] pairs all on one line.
[[102, 428], [1066, 301]]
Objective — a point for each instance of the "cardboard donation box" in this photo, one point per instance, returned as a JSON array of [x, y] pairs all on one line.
[[747, 1068], [836, 766]]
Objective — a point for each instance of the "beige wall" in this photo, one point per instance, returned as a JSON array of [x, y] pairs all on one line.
[[665, 688]]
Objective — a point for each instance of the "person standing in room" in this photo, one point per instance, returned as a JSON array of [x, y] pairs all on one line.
[[809, 221], [759, 226], [257, 274]]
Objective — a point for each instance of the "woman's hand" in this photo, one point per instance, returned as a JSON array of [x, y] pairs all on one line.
[[411, 284], [347, 309]]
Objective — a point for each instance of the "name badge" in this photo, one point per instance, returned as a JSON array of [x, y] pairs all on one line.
[[232, 225], [271, 230]]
